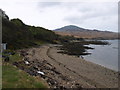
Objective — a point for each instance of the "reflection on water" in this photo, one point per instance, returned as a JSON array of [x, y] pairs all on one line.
[[105, 55]]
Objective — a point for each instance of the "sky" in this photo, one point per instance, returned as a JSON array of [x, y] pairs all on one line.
[[53, 14]]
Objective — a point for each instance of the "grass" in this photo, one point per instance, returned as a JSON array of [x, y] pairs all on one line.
[[15, 78], [12, 77], [40, 42], [15, 58]]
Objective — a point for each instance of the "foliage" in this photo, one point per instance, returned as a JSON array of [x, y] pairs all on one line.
[[12, 77], [95, 42], [17, 35], [64, 39], [74, 48], [43, 34]]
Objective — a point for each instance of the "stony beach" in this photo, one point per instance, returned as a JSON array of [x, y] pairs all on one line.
[[65, 71]]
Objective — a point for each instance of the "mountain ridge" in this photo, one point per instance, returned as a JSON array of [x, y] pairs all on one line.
[[76, 31], [71, 27]]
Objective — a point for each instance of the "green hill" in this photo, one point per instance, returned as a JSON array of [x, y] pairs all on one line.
[[17, 35]]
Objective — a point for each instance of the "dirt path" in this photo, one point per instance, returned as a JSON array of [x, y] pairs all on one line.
[[65, 71]]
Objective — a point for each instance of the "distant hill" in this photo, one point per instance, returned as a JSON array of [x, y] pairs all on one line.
[[79, 32], [71, 28]]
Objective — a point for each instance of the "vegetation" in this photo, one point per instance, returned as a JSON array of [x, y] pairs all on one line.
[[96, 42], [17, 35], [12, 77], [74, 48], [64, 39]]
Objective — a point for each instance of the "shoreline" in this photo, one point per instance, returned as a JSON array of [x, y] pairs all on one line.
[[102, 66], [105, 56], [99, 65], [68, 71]]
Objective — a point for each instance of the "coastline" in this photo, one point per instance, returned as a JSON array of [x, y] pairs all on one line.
[[69, 71], [106, 56], [101, 66]]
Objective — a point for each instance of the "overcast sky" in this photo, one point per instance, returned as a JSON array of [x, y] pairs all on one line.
[[51, 15]]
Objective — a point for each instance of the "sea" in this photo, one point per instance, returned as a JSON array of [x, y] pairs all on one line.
[[104, 55]]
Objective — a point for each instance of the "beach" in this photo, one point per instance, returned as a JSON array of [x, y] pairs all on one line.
[[65, 71]]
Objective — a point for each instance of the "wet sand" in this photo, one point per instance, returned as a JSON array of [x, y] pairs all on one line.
[[70, 71]]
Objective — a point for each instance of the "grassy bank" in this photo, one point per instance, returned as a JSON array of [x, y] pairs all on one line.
[[12, 77]]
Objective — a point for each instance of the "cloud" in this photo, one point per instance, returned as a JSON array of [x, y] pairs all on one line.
[[48, 4], [95, 15], [52, 15]]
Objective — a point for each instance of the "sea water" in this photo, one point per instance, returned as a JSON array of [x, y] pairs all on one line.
[[105, 55]]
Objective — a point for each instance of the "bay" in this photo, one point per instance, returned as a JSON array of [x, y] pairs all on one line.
[[105, 55]]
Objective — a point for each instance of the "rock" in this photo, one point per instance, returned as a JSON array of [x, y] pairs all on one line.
[[61, 88], [6, 59], [26, 62], [26, 58], [15, 63], [53, 69], [23, 53], [39, 72], [52, 82], [13, 53], [32, 72], [35, 68], [19, 65]]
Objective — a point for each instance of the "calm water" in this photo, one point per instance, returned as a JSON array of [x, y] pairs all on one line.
[[105, 55]]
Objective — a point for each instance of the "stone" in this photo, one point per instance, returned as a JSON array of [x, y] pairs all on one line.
[[39, 72], [6, 59]]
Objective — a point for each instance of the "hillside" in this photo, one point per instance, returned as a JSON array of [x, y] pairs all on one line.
[[71, 28], [18, 35], [76, 31]]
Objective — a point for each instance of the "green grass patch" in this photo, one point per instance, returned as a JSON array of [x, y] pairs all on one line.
[[14, 58], [40, 42], [14, 78]]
